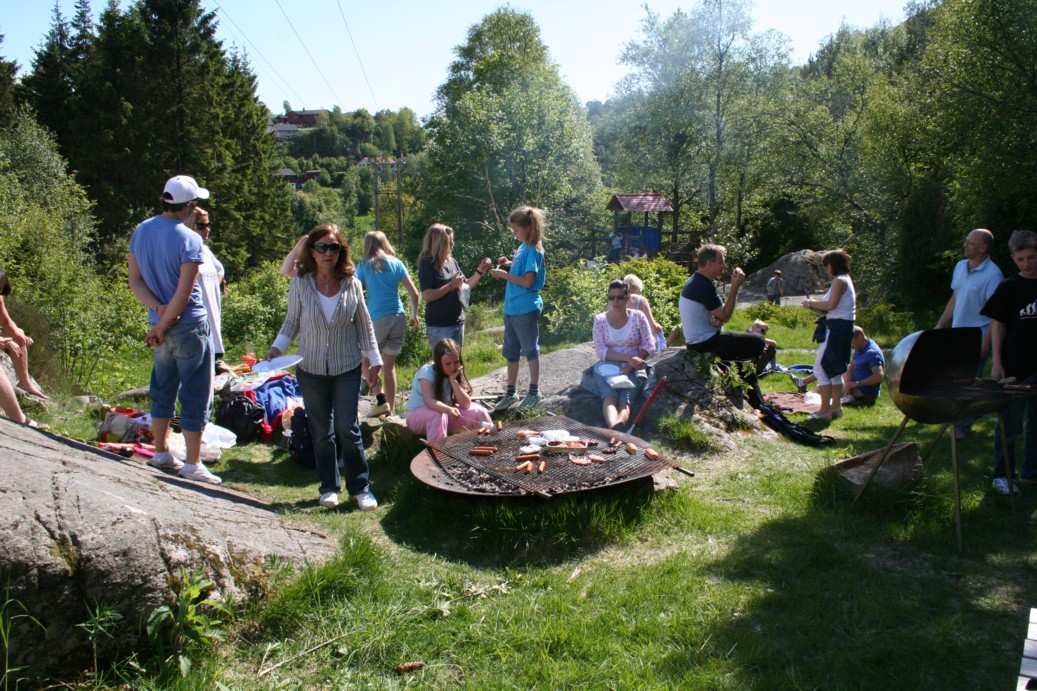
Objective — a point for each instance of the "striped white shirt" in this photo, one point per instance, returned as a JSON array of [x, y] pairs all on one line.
[[328, 346]]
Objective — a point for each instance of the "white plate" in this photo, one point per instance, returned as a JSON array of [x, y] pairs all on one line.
[[278, 363], [606, 369]]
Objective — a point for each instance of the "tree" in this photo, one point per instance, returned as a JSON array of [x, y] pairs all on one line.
[[49, 87], [8, 72], [508, 131]]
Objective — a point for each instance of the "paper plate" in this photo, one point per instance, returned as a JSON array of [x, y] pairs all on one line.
[[606, 369], [278, 363]]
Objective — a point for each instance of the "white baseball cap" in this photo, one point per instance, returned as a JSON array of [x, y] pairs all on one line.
[[181, 189]]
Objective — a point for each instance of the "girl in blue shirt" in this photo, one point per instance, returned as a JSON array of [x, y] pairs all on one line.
[[525, 275]]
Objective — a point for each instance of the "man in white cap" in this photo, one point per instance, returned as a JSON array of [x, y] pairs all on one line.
[[163, 267]]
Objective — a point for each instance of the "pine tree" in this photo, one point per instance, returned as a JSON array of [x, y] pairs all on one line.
[[49, 88], [8, 71]]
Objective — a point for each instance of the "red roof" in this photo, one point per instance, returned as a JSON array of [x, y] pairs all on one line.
[[641, 202]]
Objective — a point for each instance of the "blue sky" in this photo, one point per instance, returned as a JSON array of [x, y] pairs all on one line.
[[405, 46]]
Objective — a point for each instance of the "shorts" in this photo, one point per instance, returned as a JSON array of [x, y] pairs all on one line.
[[522, 336], [182, 368], [833, 355], [438, 333], [390, 332]]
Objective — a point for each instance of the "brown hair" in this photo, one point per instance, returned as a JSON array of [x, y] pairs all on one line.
[[839, 260], [444, 347], [374, 241], [436, 245], [708, 253], [534, 221], [344, 266], [1022, 240]]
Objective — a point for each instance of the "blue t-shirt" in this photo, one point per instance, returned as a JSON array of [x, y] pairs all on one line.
[[383, 287], [698, 298], [972, 289], [863, 362], [160, 245], [519, 300]]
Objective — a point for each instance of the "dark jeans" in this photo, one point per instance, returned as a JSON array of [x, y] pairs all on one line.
[[1014, 415], [740, 348], [331, 407]]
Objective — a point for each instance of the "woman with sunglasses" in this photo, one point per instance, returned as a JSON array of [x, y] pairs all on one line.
[[326, 310], [623, 337]]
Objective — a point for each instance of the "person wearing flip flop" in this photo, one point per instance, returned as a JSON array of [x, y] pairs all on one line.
[[16, 343], [834, 334], [623, 340], [327, 312], [163, 264], [523, 305]]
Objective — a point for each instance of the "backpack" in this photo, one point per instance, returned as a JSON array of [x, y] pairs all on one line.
[[301, 443], [241, 416]]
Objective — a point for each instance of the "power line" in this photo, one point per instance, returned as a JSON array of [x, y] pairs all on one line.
[[302, 43], [284, 82], [357, 53]]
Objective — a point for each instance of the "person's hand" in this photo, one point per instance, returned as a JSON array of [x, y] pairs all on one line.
[[272, 353], [413, 321], [453, 411], [498, 273], [156, 336], [737, 277], [372, 375], [636, 363], [458, 375], [485, 264], [456, 282], [997, 372], [11, 346], [503, 261]]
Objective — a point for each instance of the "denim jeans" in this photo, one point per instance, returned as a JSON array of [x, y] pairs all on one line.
[[182, 367], [331, 407], [438, 333], [1014, 415], [522, 336]]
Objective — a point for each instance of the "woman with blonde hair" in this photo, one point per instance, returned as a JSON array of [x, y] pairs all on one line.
[[381, 274], [444, 287], [326, 310], [525, 274], [639, 302]]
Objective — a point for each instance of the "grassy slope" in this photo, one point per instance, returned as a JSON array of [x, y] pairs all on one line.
[[754, 574]]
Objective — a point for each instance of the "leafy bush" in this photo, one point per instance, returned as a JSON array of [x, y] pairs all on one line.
[[789, 316], [884, 324], [254, 308], [67, 304], [574, 294]]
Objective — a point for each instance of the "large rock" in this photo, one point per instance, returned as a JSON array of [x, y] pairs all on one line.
[[803, 273], [82, 527]]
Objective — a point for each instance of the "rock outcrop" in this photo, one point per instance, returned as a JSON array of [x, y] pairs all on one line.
[[82, 527], [803, 273]]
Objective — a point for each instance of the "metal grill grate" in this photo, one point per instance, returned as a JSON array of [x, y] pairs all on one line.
[[495, 473]]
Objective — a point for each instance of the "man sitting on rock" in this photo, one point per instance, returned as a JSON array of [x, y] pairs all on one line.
[[703, 314], [863, 381]]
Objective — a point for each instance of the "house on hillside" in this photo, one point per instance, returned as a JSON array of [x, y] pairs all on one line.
[[297, 180], [303, 118], [283, 130]]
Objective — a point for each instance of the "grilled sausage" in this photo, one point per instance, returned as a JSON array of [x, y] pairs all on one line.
[[542, 467], [579, 460], [528, 457], [631, 448], [651, 454], [596, 458]]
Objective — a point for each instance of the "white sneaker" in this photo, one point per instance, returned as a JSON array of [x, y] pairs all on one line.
[[1002, 486], [163, 460], [199, 473], [328, 500], [365, 501]]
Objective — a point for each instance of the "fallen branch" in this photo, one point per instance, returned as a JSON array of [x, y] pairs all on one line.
[[293, 658]]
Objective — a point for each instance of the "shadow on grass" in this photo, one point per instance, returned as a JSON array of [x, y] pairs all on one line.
[[280, 470], [876, 595]]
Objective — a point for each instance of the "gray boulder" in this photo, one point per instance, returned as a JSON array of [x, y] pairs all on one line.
[[82, 527], [803, 273]]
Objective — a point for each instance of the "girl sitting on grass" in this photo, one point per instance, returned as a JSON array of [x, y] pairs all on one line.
[[440, 400]]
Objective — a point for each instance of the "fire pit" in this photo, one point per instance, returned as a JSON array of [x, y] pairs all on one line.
[[450, 464]]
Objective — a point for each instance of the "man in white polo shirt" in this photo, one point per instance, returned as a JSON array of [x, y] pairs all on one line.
[[975, 279]]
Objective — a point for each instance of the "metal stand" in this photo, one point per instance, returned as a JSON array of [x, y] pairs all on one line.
[[882, 459], [957, 491]]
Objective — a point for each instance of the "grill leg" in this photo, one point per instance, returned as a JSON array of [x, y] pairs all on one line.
[[882, 459], [957, 492]]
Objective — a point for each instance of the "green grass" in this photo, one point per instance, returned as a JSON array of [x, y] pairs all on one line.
[[755, 574], [685, 434]]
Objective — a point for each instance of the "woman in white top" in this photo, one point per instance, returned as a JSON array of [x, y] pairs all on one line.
[[210, 279], [833, 355], [623, 337], [326, 310]]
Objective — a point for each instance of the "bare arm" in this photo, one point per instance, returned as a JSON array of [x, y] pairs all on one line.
[[461, 397], [877, 372], [412, 291], [525, 280], [838, 288], [188, 275], [948, 313], [997, 339], [723, 313], [433, 294], [288, 266], [432, 403], [476, 276], [656, 326], [138, 287]]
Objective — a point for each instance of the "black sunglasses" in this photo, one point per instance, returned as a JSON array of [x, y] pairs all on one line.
[[201, 225], [618, 297], [328, 247]]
